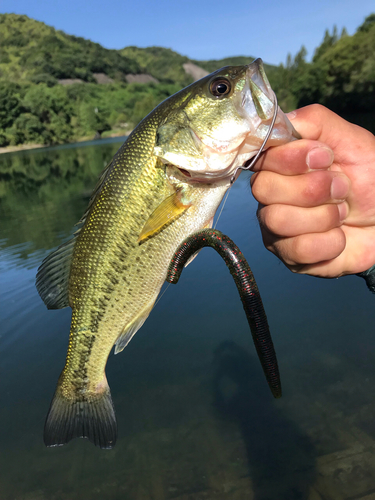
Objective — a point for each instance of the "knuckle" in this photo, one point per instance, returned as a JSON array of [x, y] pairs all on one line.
[[259, 185], [272, 218], [268, 242], [283, 250], [318, 110], [300, 249], [366, 134], [260, 215]]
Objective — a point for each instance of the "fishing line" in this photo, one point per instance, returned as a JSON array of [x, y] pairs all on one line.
[[159, 298], [248, 167], [254, 160], [217, 220], [222, 206]]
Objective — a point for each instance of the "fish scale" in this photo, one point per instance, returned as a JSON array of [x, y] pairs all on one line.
[[165, 182]]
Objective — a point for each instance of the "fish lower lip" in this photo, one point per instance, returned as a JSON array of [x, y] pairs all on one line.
[[192, 179], [195, 178]]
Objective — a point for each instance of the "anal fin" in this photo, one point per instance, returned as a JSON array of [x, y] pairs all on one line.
[[130, 330]]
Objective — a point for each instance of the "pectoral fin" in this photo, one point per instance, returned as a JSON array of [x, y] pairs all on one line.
[[167, 212]]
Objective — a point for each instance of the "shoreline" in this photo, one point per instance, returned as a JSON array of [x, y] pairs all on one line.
[[26, 147]]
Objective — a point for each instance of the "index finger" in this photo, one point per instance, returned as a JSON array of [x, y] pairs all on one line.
[[294, 158], [318, 123], [347, 140]]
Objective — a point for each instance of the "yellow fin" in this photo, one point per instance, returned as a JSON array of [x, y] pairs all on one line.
[[167, 212]]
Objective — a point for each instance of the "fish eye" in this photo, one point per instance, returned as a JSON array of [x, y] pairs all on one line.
[[220, 87]]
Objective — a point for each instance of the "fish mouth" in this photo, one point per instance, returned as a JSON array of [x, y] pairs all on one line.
[[260, 88], [257, 97], [238, 141], [233, 136], [258, 105]]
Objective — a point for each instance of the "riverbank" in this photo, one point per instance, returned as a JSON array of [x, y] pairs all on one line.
[[25, 147]]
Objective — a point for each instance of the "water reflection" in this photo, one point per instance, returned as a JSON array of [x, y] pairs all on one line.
[[42, 191]]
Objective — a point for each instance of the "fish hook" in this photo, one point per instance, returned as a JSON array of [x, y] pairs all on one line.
[[254, 160]]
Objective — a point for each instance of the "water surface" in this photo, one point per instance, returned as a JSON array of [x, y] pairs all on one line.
[[195, 416]]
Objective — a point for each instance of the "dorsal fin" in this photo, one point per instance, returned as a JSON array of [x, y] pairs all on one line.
[[52, 279], [95, 192]]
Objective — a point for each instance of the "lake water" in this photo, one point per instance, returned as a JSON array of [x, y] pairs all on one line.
[[195, 416]]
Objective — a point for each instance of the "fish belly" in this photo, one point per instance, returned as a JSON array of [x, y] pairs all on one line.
[[117, 303]]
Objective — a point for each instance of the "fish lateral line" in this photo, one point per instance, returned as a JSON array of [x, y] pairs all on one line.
[[247, 288]]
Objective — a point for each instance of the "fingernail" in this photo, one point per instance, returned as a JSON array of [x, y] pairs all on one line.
[[291, 115], [319, 157], [343, 210], [339, 187]]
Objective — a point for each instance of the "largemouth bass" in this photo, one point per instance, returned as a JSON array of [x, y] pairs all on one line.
[[165, 182]]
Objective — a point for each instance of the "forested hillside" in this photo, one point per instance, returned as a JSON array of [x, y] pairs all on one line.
[[163, 64], [57, 88], [341, 75]]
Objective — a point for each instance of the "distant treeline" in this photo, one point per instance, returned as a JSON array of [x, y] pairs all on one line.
[[54, 115], [37, 107], [340, 76]]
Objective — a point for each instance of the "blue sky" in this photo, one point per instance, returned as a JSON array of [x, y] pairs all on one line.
[[200, 29]]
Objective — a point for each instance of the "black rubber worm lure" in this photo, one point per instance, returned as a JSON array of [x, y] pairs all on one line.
[[248, 290]]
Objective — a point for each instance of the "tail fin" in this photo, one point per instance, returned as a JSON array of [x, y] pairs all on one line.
[[93, 418]]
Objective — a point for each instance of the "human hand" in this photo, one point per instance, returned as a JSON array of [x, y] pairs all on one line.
[[317, 196]]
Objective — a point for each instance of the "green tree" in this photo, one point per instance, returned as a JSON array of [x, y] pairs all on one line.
[[10, 103], [142, 107], [344, 33], [328, 41], [368, 24], [52, 112], [93, 118], [28, 128]]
